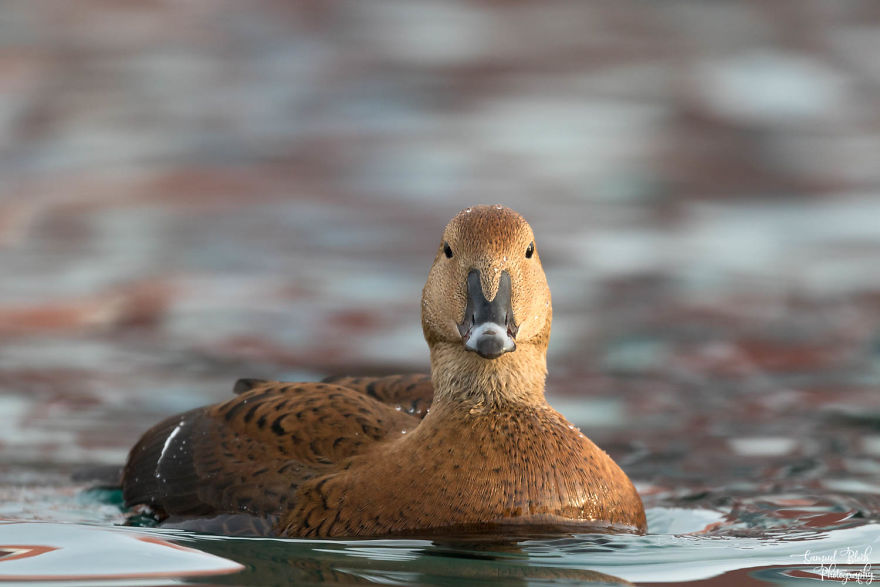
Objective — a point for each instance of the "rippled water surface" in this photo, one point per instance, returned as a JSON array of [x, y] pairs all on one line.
[[684, 546], [196, 192]]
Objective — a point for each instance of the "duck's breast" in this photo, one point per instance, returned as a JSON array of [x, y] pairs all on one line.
[[471, 469]]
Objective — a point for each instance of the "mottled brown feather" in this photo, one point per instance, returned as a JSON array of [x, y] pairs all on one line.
[[411, 393], [249, 454]]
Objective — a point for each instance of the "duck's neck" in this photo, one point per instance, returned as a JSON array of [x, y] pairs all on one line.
[[463, 379]]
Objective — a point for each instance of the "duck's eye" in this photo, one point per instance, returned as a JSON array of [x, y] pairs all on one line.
[[447, 251], [530, 250]]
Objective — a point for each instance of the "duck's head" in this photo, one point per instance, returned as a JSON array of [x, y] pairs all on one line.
[[486, 290]]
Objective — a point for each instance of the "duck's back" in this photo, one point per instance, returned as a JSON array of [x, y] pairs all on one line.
[[248, 455]]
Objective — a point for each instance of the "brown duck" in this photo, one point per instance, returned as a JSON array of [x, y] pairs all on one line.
[[475, 447]]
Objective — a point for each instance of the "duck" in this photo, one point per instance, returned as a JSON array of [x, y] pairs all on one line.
[[472, 447]]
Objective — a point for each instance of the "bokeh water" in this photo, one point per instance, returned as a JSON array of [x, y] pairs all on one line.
[[197, 192]]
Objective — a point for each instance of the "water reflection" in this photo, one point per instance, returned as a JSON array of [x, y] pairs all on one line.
[[664, 558], [445, 562]]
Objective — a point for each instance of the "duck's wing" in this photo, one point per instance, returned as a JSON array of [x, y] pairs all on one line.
[[249, 454], [411, 393]]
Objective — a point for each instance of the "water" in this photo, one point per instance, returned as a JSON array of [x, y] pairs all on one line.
[[684, 546]]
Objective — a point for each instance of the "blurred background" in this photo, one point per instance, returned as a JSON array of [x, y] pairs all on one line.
[[192, 192]]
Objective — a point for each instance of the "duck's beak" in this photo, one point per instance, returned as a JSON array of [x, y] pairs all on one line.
[[488, 328]]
